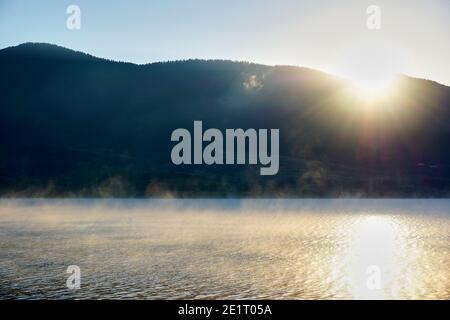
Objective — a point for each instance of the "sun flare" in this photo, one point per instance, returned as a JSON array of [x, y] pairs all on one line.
[[373, 86], [372, 69], [374, 80]]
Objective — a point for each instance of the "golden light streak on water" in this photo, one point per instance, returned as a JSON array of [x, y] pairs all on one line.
[[375, 251]]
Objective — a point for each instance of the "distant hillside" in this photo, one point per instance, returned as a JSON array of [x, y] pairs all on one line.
[[75, 125]]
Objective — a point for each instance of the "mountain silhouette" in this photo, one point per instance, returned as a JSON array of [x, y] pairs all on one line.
[[75, 125]]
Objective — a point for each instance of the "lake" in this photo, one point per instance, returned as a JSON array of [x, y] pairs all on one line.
[[226, 249]]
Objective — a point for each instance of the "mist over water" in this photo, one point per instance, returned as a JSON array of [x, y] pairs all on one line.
[[225, 249]]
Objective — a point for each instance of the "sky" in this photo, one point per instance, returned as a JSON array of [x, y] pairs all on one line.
[[327, 35]]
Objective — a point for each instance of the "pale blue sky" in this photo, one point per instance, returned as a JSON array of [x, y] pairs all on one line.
[[323, 34]]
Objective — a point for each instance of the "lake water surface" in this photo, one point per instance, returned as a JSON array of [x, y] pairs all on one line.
[[226, 249]]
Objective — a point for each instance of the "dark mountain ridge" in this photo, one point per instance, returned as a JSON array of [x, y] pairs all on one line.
[[75, 125]]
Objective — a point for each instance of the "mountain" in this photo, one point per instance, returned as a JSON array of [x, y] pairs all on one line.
[[75, 125]]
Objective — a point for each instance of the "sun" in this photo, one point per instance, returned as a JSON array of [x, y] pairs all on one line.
[[373, 86], [371, 69], [373, 78]]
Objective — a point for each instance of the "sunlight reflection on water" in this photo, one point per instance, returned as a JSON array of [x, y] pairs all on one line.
[[275, 249]]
